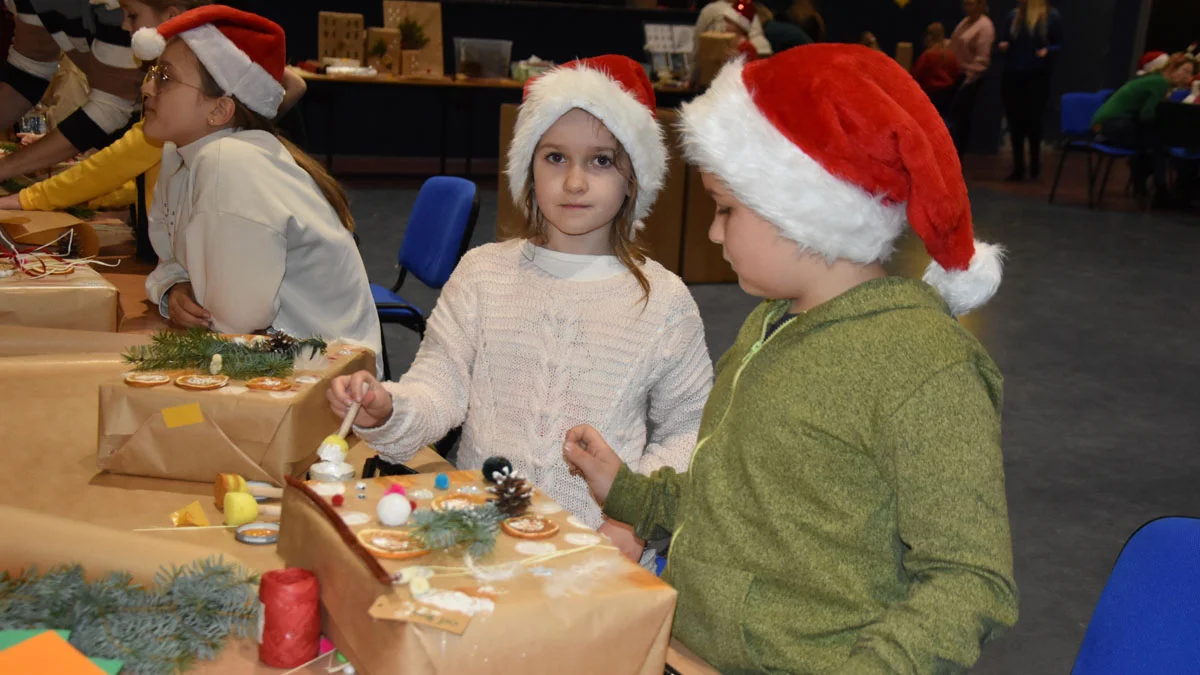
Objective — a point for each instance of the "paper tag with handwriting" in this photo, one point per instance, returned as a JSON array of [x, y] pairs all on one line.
[[392, 608]]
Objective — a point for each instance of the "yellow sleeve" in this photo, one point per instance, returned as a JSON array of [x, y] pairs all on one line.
[[106, 171]]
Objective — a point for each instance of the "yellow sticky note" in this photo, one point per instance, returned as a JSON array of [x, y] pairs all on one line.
[[191, 515], [182, 415]]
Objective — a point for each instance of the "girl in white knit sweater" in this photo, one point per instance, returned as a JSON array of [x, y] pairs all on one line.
[[569, 324]]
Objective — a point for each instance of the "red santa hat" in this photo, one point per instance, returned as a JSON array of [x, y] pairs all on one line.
[[838, 146], [740, 13], [613, 89], [1152, 61], [244, 52]]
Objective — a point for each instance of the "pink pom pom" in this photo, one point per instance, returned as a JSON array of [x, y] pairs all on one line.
[[394, 489]]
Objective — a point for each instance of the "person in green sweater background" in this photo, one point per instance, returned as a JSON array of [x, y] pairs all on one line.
[[844, 512], [1126, 120]]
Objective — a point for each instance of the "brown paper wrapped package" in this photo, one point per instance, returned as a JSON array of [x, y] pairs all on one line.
[[617, 620], [82, 300], [258, 435]]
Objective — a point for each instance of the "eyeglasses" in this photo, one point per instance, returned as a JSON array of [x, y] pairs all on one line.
[[158, 75]]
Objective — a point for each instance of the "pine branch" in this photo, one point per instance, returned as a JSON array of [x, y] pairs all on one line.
[[474, 528], [187, 615], [274, 357]]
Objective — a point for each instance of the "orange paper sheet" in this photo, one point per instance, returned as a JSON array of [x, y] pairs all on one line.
[[46, 653]]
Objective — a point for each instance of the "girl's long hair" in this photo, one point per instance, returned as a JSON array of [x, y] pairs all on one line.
[[245, 118], [1035, 14]]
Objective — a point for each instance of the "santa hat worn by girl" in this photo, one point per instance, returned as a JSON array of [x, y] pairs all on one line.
[[244, 52], [837, 146], [740, 13], [613, 89], [1152, 62]]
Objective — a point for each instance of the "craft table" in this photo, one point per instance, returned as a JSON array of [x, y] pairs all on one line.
[[56, 507], [450, 92]]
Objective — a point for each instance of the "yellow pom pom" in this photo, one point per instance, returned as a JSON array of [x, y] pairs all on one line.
[[240, 508], [335, 441]]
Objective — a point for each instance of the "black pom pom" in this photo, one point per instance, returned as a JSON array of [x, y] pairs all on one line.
[[495, 465]]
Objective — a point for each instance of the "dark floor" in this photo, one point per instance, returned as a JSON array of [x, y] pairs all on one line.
[[1098, 344]]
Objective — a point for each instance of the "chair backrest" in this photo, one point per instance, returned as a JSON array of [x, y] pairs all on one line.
[[1148, 617], [1177, 95], [1077, 111], [439, 229], [1178, 124], [1105, 93]]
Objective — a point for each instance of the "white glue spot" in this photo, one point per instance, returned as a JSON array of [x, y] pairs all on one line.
[[575, 522], [355, 518], [409, 573], [328, 489], [535, 548], [457, 601], [547, 508], [469, 489], [421, 494], [308, 379], [582, 539], [283, 394], [540, 571], [232, 390]]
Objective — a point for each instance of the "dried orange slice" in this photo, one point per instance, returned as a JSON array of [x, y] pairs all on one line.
[[201, 382], [457, 502], [269, 384], [529, 527], [147, 380], [392, 544]]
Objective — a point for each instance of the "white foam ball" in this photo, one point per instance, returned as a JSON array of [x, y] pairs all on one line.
[[394, 510]]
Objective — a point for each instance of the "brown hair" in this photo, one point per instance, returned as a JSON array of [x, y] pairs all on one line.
[[245, 118], [936, 32], [622, 237]]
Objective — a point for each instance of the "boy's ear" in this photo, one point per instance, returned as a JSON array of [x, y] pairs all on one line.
[[222, 112], [172, 12]]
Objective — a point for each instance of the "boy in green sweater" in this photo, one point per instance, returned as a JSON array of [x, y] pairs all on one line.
[[844, 512]]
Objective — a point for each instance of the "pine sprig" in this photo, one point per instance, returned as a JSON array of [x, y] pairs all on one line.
[[187, 615], [240, 360], [474, 528]]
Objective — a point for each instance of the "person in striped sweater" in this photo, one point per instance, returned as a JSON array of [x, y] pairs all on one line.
[[90, 33]]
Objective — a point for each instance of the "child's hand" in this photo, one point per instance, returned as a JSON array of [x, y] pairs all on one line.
[[624, 539], [376, 402], [1003, 46], [183, 308], [587, 452]]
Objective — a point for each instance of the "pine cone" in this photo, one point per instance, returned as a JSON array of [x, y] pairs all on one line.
[[513, 494], [281, 342]]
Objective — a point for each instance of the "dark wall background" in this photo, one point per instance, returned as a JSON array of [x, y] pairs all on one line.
[[379, 120]]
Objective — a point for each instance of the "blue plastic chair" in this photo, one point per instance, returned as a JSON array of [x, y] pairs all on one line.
[[1077, 110], [1177, 95], [439, 231], [1148, 617]]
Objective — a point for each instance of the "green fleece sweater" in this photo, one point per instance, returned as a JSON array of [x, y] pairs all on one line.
[[844, 512]]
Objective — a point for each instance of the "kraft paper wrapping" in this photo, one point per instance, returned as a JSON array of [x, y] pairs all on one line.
[[27, 341], [82, 300], [597, 611], [259, 435]]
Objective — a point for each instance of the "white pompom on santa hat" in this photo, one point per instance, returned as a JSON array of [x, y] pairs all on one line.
[[1152, 62], [613, 89], [245, 53], [837, 146]]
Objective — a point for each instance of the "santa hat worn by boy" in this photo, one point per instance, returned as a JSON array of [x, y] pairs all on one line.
[[244, 52], [613, 89], [1152, 62], [837, 146]]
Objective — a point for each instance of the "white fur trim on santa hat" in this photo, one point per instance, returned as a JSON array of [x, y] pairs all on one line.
[[234, 71], [964, 290], [563, 89], [1154, 65], [725, 134], [148, 44]]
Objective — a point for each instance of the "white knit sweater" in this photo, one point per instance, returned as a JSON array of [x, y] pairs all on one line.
[[518, 357]]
